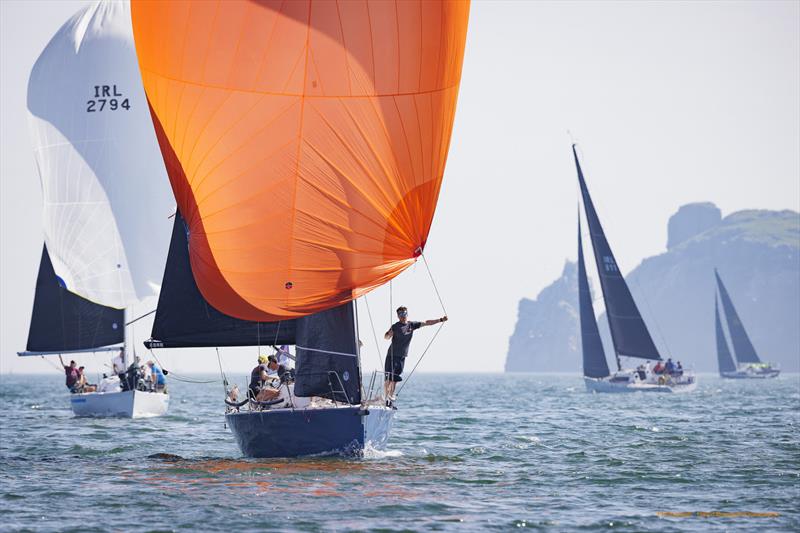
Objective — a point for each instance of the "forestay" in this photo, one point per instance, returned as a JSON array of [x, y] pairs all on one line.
[[106, 194]]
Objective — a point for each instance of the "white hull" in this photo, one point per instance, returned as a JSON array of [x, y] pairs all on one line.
[[750, 372], [128, 404], [605, 385]]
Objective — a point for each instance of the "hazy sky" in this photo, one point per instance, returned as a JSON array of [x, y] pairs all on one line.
[[670, 103]]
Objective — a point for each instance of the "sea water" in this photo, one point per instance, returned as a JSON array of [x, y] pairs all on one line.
[[467, 453]]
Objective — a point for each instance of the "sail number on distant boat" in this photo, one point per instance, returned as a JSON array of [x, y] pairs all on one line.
[[107, 98], [609, 264]]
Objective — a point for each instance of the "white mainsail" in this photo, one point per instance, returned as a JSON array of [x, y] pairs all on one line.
[[105, 191]]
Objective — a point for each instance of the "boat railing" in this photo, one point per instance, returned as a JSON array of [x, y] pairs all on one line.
[[334, 374], [375, 392], [334, 381]]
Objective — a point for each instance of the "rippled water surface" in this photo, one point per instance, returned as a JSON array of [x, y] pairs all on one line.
[[467, 453]]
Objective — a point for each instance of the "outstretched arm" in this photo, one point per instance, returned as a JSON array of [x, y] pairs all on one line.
[[62, 360], [435, 321], [388, 335]]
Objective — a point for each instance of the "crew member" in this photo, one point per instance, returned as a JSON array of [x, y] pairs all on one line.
[[73, 376], [118, 365], [157, 378], [400, 333], [257, 377]]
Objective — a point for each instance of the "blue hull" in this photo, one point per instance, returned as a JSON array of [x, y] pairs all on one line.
[[295, 433]]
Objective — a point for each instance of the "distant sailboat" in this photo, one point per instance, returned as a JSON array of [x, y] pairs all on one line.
[[629, 334], [305, 143], [106, 198], [749, 364]]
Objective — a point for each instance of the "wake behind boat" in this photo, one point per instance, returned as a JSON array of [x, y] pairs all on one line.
[[629, 334], [746, 364]]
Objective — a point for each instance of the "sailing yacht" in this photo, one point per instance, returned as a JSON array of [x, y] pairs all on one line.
[[323, 409], [106, 199], [305, 143], [746, 364], [629, 334]]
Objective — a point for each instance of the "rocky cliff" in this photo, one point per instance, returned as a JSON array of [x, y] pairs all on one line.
[[546, 336], [758, 256]]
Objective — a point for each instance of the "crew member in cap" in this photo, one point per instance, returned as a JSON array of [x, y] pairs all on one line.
[[257, 377], [400, 333]]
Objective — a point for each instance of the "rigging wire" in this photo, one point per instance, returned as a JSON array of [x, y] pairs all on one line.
[[430, 342], [277, 331], [374, 334], [438, 330], [222, 372], [178, 377], [435, 288], [51, 363], [141, 317]]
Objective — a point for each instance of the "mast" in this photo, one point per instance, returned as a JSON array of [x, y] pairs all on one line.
[[358, 349], [125, 340]]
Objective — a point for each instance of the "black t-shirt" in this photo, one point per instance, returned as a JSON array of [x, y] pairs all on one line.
[[255, 375], [401, 338]]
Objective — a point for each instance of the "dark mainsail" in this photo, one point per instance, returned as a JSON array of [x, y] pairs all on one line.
[[326, 348], [326, 341], [628, 330], [724, 358], [742, 347], [594, 357], [65, 322], [185, 320]]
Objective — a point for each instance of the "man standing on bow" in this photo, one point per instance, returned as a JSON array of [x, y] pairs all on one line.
[[400, 333]]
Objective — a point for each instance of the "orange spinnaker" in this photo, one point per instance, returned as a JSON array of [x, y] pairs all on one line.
[[305, 140]]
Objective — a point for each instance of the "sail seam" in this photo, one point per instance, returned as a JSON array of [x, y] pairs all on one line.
[[298, 95]]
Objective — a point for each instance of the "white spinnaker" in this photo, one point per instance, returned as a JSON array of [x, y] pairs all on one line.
[[106, 195]]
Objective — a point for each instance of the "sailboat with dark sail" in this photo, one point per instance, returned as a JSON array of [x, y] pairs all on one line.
[[629, 334], [305, 143], [106, 199], [746, 364]]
